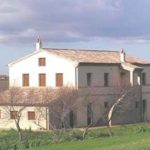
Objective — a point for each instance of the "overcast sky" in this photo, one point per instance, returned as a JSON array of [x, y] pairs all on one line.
[[85, 24]]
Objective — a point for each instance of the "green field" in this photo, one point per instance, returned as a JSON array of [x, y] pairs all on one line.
[[130, 137], [126, 137], [140, 142]]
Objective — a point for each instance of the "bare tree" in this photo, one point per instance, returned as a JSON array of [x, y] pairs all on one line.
[[61, 107], [10, 99], [127, 97], [16, 100], [121, 101]]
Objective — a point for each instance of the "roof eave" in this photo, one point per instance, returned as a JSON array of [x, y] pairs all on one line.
[[22, 58]]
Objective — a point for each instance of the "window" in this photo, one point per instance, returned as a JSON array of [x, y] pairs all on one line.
[[122, 78], [31, 115], [143, 78], [71, 117], [59, 79], [42, 79], [144, 103], [106, 79], [89, 114], [42, 61], [25, 79], [89, 79], [105, 104], [136, 104], [13, 114], [122, 74], [144, 110]]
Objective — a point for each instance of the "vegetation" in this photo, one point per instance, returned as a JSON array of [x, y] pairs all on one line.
[[124, 137], [141, 142]]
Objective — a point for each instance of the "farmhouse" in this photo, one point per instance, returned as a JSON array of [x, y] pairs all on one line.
[[99, 77]]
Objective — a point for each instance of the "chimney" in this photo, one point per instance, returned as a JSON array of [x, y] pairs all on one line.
[[122, 56], [38, 44]]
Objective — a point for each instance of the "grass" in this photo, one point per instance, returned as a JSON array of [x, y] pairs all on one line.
[[141, 142], [130, 137], [126, 137]]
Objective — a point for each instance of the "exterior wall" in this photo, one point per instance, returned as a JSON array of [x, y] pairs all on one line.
[[97, 85], [54, 64], [146, 92], [98, 75], [7, 123], [97, 94], [126, 78], [146, 116], [126, 113]]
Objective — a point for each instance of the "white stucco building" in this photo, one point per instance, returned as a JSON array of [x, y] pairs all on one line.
[[96, 73]]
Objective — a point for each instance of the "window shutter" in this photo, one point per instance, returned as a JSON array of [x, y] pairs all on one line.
[[42, 79], [31, 115], [13, 114], [25, 80], [42, 61], [59, 79]]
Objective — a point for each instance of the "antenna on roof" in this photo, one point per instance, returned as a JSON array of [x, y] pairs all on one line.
[[38, 43]]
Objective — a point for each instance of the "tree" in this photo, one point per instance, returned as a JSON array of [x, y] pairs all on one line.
[[16, 100], [10, 99], [127, 97], [123, 102], [62, 107]]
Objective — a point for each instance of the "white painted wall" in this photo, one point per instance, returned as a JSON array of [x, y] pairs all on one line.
[[7, 123], [54, 64]]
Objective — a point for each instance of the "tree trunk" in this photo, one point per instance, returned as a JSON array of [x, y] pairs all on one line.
[[110, 114], [85, 132], [109, 131], [19, 131]]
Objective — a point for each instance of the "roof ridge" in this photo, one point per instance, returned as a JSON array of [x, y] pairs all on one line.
[[80, 49]]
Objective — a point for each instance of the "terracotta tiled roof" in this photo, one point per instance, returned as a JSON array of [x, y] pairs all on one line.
[[94, 56], [35, 96], [28, 96]]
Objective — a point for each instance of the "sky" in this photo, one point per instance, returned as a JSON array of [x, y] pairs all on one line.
[[84, 24]]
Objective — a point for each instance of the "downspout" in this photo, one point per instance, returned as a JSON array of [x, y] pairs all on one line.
[[76, 76], [132, 77], [141, 108], [140, 91]]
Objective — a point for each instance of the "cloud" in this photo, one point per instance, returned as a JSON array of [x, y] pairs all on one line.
[[77, 20]]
